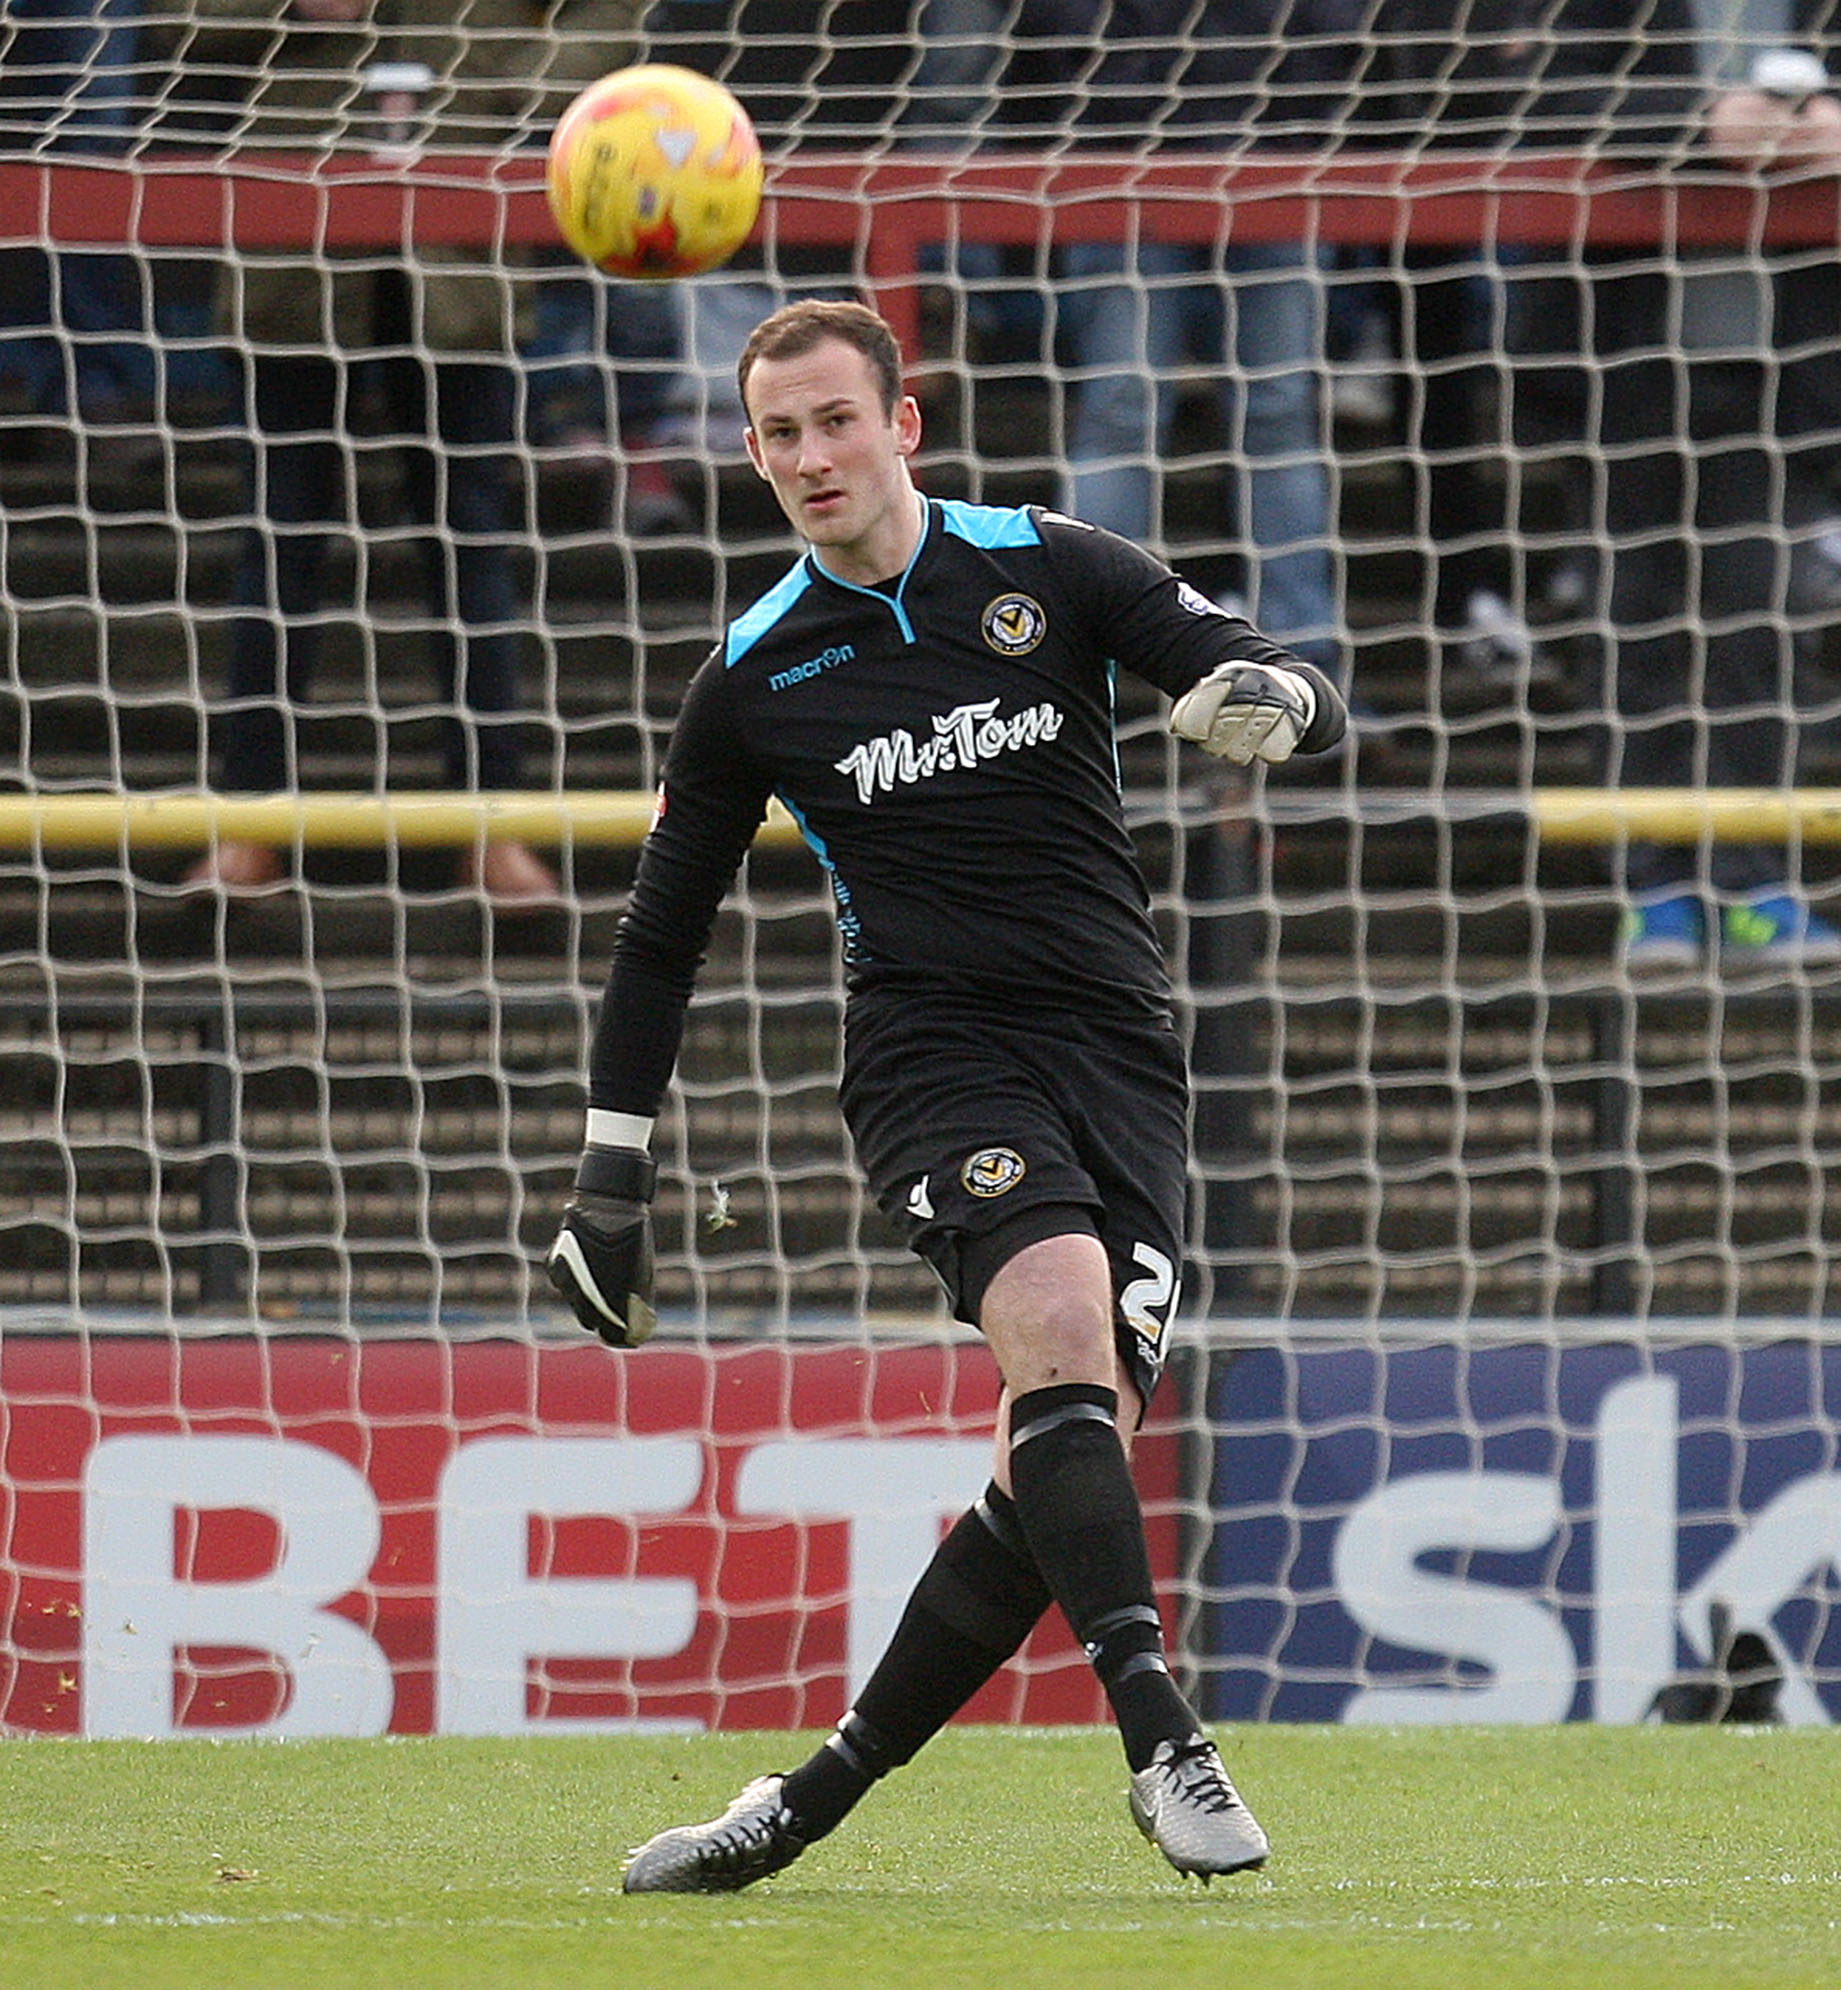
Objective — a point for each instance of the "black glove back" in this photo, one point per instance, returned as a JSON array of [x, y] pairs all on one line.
[[601, 1261]]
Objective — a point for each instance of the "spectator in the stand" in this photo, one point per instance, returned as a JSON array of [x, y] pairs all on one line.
[[811, 74], [972, 87], [434, 329], [600, 368], [1690, 509], [603, 361], [1806, 318], [74, 326], [1435, 73], [1165, 73]]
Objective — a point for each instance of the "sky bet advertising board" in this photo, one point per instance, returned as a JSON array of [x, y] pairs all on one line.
[[1519, 1533]]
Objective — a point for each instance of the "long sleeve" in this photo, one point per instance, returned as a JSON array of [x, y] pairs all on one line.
[[711, 803]]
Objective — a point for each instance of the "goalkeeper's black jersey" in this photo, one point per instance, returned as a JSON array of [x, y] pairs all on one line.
[[946, 745]]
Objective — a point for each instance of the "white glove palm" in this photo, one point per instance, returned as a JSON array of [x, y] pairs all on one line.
[[1246, 711]]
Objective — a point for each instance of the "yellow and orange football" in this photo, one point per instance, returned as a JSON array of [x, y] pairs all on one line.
[[655, 172]]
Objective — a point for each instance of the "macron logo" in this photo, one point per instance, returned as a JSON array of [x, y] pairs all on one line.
[[813, 666], [961, 738]]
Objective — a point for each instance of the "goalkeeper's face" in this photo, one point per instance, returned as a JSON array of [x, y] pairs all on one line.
[[837, 458]]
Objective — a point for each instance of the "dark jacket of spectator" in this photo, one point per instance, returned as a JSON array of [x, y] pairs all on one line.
[[1137, 74], [1591, 76]]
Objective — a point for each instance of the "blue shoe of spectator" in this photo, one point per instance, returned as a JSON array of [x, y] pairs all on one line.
[[1665, 931], [1777, 929]]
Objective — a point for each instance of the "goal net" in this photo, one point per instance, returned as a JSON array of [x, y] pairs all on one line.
[[1505, 1375]]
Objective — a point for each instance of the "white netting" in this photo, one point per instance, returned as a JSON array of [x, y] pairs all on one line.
[[1451, 331]]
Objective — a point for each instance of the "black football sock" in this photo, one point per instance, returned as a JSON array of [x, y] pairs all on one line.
[[1080, 1515], [976, 1602]]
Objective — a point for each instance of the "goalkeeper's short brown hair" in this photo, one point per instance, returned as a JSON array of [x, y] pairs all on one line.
[[795, 329]]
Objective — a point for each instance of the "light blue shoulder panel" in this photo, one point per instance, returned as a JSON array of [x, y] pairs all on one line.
[[989, 524], [748, 628]]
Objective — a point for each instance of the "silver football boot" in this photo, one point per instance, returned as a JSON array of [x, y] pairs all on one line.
[[1186, 1806], [751, 1839]]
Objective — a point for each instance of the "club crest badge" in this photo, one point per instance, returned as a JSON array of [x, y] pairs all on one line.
[[1014, 624], [993, 1171]]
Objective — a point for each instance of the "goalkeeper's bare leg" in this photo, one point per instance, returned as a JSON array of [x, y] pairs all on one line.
[[983, 1593]]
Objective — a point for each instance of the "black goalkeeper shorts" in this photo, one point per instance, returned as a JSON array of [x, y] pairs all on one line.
[[981, 1134]]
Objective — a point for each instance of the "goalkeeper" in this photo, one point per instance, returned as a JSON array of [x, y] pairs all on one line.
[[929, 691]]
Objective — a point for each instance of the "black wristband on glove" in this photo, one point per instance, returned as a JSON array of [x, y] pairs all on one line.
[[625, 1172]]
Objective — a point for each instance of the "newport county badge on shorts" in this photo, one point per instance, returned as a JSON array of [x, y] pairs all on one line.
[[993, 1171], [1013, 624]]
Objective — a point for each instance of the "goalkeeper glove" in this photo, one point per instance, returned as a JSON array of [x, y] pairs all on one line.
[[601, 1261], [1246, 711]]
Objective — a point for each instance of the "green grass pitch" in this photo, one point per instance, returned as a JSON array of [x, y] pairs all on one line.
[[1478, 1859]]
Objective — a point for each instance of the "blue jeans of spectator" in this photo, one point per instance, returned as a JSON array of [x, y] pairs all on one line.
[[1702, 668], [456, 458], [585, 321], [953, 88], [71, 76], [953, 100], [1126, 340]]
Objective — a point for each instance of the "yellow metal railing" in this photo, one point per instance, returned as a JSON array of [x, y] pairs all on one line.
[[102, 820], [1686, 815], [616, 818]]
